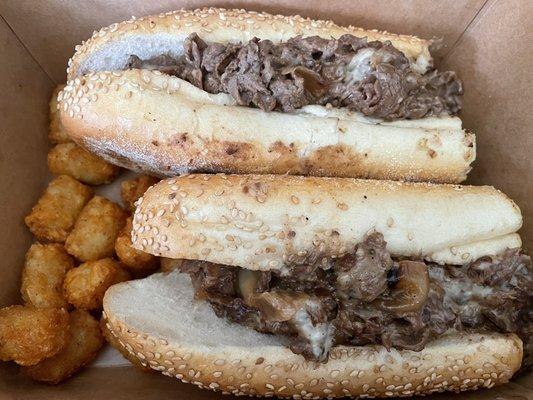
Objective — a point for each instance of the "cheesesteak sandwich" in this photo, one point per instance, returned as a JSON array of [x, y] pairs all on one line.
[[327, 287], [214, 90]]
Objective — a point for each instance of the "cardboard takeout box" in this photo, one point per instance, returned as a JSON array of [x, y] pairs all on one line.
[[487, 42]]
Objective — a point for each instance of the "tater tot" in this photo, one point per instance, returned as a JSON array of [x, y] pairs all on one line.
[[170, 264], [132, 189], [57, 133], [54, 215], [136, 261], [43, 274], [70, 159], [83, 346], [96, 230], [29, 335], [85, 286], [113, 341]]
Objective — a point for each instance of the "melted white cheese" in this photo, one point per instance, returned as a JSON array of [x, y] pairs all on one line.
[[359, 66], [320, 336]]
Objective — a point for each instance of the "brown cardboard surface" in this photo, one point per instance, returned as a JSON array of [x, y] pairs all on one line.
[[51, 29], [492, 56], [127, 383], [25, 90]]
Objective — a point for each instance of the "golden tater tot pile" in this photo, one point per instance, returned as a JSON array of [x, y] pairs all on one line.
[[86, 339], [29, 335], [54, 215], [83, 246], [70, 159], [133, 189], [43, 274], [94, 234], [86, 285]]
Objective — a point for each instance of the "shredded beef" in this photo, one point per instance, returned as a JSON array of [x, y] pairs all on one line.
[[313, 70], [345, 301], [495, 293], [363, 275]]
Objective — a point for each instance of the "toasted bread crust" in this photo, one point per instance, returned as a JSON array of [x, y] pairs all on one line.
[[221, 25], [148, 121], [265, 222]]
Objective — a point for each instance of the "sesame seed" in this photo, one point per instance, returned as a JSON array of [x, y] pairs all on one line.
[[342, 206]]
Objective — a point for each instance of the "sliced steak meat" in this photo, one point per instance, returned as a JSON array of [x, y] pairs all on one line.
[[363, 274], [373, 78], [366, 297]]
